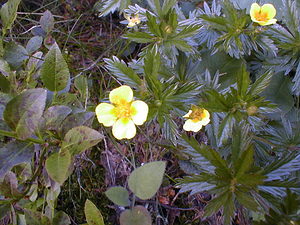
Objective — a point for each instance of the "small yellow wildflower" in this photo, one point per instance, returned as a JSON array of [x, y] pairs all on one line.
[[197, 117], [132, 20], [123, 114], [263, 15]]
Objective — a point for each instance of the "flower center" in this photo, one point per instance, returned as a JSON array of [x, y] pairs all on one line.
[[197, 115], [261, 16], [123, 110]]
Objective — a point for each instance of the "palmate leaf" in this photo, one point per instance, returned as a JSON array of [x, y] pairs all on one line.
[[122, 71], [110, 6], [260, 84], [283, 166]]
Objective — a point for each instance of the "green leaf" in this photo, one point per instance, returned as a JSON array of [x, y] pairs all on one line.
[[55, 115], [57, 166], [122, 71], [246, 200], [188, 31], [118, 195], [260, 84], [75, 120], [9, 186], [243, 81], [4, 84], [81, 84], [55, 72], [61, 218], [8, 14], [15, 54], [245, 162], [138, 215], [215, 204], [167, 5], [36, 218], [279, 92], [139, 37], [47, 21], [13, 154], [34, 44], [109, 6], [145, 181], [153, 26], [24, 111], [92, 214], [225, 129], [79, 139]]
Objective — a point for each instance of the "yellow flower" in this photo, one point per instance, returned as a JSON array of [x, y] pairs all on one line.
[[197, 117], [132, 20], [263, 15], [123, 114]]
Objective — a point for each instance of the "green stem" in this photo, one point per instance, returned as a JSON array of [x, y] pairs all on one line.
[[13, 135]]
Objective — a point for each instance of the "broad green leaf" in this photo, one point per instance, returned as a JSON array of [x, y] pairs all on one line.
[[34, 44], [15, 54], [61, 218], [36, 218], [92, 214], [55, 115], [4, 84], [4, 209], [24, 111], [79, 139], [9, 186], [13, 154], [47, 21], [145, 181], [75, 120], [55, 72], [57, 166], [279, 92], [8, 14], [138, 215], [118, 195]]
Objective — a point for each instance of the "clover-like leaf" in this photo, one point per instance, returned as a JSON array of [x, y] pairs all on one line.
[[145, 181]]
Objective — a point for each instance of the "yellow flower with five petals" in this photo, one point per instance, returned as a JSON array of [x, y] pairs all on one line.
[[197, 117], [263, 15], [123, 114]]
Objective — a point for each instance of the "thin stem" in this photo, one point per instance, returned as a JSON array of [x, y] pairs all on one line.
[[13, 135]]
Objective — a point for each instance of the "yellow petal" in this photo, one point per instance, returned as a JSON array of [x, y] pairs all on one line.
[[255, 8], [105, 115], [269, 22], [189, 125], [121, 95], [270, 10], [205, 120], [188, 114], [131, 24], [139, 111], [124, 128]]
